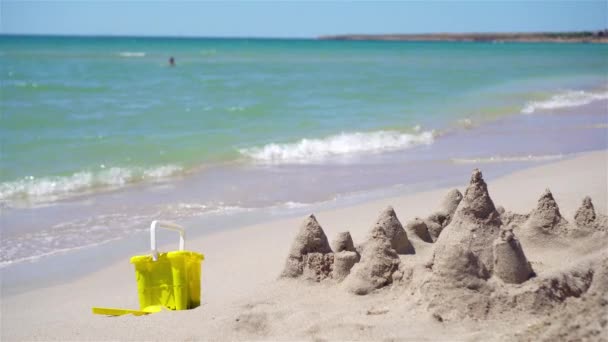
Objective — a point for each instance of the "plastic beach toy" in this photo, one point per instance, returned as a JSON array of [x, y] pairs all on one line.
[[170, 280]]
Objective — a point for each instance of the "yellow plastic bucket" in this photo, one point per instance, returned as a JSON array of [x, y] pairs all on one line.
[[172, 279]]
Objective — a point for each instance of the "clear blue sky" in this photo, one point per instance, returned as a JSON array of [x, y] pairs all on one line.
[[295, 19]]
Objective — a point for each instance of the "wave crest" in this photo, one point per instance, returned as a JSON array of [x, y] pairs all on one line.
[[51, 188], [504, 159], [307, 150], [131, 54], [564, 100]]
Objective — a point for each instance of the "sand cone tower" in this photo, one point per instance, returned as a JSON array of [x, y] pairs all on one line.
[[393, 229], [510, 262], [546, 218], [587, 218], [310, 254], [585, 215], [378, 263], [465, 245]]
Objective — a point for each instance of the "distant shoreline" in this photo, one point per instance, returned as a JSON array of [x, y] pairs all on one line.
[[549, 37], [600, 36]]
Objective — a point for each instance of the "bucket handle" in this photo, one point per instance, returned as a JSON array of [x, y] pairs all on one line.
[[166, 225]]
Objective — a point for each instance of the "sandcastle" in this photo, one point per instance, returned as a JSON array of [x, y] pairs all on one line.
[[472, 242]]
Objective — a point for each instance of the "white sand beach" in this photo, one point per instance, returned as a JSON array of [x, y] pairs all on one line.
[[244, 298]]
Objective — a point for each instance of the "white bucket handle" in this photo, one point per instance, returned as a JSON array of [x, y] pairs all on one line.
[[166, 225]]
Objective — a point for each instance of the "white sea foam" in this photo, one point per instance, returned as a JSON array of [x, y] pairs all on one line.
[[504, 159], [567, 99], [309, 150], [93, 231], [50, 188], [161, 171], [131, 54]]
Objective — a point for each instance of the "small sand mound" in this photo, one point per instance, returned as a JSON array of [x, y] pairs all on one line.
[[419, 228], [546, 218], [343, 242], [468, 239], [378, 263], [310, 254], [435, 224], [393, 229], [500, 209], [510, 262]]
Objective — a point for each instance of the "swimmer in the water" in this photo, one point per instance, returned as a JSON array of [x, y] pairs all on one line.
[[171, 61]]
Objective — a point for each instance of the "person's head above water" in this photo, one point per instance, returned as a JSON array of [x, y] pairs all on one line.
[[171, 61]]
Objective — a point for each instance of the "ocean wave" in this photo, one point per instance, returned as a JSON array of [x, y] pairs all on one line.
[[504, 159], [131, 54], [51, 188], [567, 99], [309, 150]]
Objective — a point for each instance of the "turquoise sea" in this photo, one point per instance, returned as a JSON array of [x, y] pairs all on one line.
[[243, 124], [86, 113]]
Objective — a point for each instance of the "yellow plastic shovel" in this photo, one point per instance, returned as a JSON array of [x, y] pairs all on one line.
[[119, 312]]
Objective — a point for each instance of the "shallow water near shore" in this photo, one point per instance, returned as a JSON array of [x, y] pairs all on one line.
[[306, 134]]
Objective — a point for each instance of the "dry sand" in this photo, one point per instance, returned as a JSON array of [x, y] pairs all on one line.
[[477, 289]]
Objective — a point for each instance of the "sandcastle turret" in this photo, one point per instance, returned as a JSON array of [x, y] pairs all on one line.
[[394, 231], [451, 201], [343, 242], [345, 256], [310, 255], [546, 217], [378, 263], [465, 245], [510, 262], [441, 218]]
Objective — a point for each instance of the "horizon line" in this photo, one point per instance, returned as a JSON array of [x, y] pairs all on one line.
[[318, 37]]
